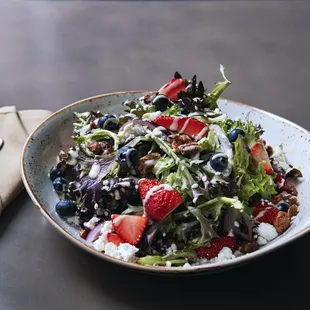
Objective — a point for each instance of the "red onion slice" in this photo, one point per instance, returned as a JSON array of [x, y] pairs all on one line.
[[94, 234]]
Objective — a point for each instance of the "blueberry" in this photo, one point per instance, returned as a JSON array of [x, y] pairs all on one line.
[[127, 157], [60, 184], [66, 207], [283, 206], [233, 135], [108, 121], [161, 103], [219, 162], [55, 173]]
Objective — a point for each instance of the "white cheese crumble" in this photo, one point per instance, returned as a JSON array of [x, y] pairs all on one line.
[[172, 248], [74, 220], [107, 227], [266, 233], [124, 251], [94, 171], [187, 265], [91, 223], [152, 116], [99, 244], [225, 254], [168, 264]]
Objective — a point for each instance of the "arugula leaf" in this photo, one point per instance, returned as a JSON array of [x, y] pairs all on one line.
[[207, 231], [212, 97], [174, 110]]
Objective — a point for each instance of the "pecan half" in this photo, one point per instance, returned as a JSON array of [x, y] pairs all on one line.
[[83, 233], [281, 196], [178, 140], [293, 200], [249, 247], [146, 163], [189, 149], [269, 150], [291, 188], [292, 210], [282, 222], [101, 147], [184, 145]]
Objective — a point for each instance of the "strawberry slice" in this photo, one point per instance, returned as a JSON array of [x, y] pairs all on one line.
[[280, 181], [172, 88], [159, 199], [265, 212], [259, 153], [114, 238], [216, 246], [129, 227], [187, 125]]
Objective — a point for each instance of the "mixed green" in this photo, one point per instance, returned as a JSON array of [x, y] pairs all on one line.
[[174, 177]]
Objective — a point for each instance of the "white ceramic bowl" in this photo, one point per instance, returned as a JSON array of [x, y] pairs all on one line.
[[54, 134]]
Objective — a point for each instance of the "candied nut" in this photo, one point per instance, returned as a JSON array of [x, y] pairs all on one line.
[[92, 125], [281, 196], [178, 140], [292, 210], [249, 247], [146, 163], [269, 150], [293, 200], [102, 147], [291, 188], [83, 233], [282, 222], [94, 147], [106, 146], [189, 149]]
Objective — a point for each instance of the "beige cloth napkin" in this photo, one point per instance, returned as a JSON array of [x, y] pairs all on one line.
[[15, 127]]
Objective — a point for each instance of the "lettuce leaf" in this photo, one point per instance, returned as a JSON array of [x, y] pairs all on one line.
[[96, 135], [165, 163], [250, 179], [252, 132], [209, 143]]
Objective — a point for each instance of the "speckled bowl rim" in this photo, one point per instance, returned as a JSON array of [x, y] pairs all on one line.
[[155, 269]]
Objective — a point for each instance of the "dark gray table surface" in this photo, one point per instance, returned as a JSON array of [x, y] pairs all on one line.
[[55, 53]]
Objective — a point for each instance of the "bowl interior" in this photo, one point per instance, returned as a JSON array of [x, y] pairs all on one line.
[[54, 134]]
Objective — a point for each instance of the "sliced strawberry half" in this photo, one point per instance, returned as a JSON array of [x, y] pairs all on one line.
[[187, 125], [265, 212], [159, 199], [280, 180], [114, 238], [129, 227], [259, 153], [172, 88], [216, 246]]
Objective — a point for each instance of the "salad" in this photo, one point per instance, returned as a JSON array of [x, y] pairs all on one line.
[[173, 181]]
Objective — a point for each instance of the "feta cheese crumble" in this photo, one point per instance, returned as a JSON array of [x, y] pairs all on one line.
[[91, 223], [124, 251], [172, 248], [266, 233]]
